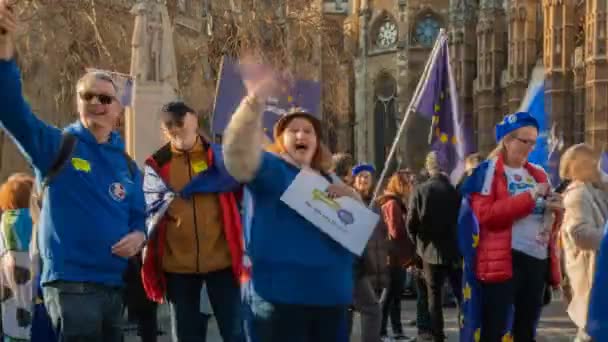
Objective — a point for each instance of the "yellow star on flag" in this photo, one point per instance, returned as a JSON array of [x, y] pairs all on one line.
[[454, 140], [444, 138], [477, 335], [437, 108], [290, 99], [466, 292], [475, 240], [435, 120], [507, 338]]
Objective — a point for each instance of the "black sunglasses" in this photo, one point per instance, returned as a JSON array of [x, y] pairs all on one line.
[[102, 98]]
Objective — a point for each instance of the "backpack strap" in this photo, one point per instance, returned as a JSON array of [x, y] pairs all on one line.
[[131, 165], [66, 147]]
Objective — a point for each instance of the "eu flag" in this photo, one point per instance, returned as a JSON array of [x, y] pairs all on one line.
[[231, 90], [438, 102], [598, 301], [468, 240]]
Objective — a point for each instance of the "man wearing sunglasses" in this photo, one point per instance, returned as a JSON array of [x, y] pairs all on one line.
[[92, 216]]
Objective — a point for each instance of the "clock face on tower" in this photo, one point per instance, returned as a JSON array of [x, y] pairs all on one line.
[[387, 35], [426, 31]]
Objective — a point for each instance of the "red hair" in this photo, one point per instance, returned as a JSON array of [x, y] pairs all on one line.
[[15, 192]]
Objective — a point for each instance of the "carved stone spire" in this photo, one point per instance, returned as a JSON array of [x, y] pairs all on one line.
[[523, 50], [463, 48], [558, 56], [596, 66], [491, 59]]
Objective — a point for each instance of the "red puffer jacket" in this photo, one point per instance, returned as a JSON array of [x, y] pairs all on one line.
[[496, 212]]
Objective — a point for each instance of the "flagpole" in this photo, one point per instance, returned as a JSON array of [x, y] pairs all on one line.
[[413, 104], [217, 91]]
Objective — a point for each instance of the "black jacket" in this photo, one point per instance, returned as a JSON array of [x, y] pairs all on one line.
[[432, 220]]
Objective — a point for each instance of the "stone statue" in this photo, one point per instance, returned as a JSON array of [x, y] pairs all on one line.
[[152, 49]]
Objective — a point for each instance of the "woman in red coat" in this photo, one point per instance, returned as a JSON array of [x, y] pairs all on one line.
[[516, 211]]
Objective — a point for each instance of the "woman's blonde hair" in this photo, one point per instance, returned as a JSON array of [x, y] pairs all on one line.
[[571, 168], [15, 192], [500, 147]]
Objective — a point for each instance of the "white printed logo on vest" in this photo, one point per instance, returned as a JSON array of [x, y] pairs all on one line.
[[117, 192]]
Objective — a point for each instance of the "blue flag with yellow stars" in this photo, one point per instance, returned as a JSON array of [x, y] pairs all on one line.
[[468, 240], [598, 302], [231, 90], [438, 102]]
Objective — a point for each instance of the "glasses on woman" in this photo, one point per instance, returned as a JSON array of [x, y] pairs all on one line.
[[529, 142]]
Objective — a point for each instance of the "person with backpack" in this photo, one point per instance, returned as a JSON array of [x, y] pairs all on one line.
[[197, 242], [301, 280], [92, 214]]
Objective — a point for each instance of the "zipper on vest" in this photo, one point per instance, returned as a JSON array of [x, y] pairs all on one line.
[[194, 213]]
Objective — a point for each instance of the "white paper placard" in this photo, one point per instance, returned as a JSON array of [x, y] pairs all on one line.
[[345, 220]]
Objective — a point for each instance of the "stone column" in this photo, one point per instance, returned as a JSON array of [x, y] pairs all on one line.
[[463, 50], [596, 72], [579, 95], [559, 33], [522, 18], [491, 59], [362, 129]]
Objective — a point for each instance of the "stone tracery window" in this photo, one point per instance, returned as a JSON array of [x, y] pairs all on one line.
[[385, 33]]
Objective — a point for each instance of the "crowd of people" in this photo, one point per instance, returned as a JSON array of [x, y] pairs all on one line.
[[206, 221]]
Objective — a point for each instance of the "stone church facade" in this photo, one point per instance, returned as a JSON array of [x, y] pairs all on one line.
[[495, 45]]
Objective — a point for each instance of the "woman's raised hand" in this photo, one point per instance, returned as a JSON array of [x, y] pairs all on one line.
[[260, 80]]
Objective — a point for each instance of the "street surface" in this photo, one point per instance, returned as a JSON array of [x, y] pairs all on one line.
[[555, 326]]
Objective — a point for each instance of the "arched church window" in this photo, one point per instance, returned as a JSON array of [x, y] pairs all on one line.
[[385, 117]]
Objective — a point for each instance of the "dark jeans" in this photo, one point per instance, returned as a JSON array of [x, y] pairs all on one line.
[[84, 312], [423, 316], [274, 322], [435, 276], [183, 295], [147, 325], [524, 291], [392, 303]]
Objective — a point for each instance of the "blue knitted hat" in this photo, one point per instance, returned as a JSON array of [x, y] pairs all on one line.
[[362, 168], [514, 121]]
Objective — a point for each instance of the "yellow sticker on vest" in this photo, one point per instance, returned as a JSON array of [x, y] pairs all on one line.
[[81, 165], [199, 166]]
